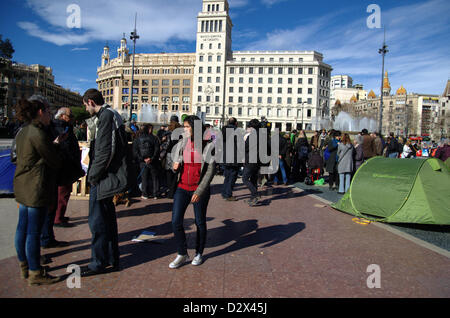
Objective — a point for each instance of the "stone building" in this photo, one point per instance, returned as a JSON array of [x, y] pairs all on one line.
[[403, 113], [23, 81], [291, 89]]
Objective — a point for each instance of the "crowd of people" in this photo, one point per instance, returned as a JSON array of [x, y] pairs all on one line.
[[165, 164]]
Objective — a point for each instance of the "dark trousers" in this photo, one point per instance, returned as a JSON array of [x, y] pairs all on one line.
[[333, 178], [63, 199], [150, 171], [181, 201], [103, 225], [171, 178], [230, 173], [47, 233], [250, 178], [298, 169]]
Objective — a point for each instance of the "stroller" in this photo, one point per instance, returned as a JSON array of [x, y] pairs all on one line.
[[315, 167]]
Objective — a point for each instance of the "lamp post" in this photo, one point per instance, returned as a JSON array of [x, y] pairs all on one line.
[[133, 37], [164, 106], [382, 51]]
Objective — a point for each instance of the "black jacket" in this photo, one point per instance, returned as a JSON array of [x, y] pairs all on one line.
[[71, 169], [146, 146], [109, 159], [227, 140]]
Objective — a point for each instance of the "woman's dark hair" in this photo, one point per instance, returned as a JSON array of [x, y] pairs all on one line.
[[27, 111], [254, 123], [192, 120], [94, 95], [146, 128]]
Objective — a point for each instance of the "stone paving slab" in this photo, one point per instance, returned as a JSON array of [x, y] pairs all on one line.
[[291, 246]]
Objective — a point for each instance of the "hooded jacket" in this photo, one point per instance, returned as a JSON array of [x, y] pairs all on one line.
[[38, 161], [109, 156]]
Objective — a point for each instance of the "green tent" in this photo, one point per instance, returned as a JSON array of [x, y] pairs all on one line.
[[400, 191]]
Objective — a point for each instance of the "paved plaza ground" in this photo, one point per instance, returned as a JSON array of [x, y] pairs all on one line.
[[294, 245]]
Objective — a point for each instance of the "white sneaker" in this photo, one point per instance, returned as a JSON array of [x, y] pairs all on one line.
[[197, 260], [179, 260]]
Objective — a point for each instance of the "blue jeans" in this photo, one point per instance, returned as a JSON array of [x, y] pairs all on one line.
[[230, 173], [28, 233], [283, 172], [344, 186], [393, 155], [105, 238], [181, 201]]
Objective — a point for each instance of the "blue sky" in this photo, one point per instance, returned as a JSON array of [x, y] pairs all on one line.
[[417, 35]]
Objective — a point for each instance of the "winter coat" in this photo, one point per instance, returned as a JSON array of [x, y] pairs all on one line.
[[345, 155], [71, 169], [38, 161], [368, 147], [358, 156], [146, 146], [378, 146], [109, 159], [331, 163], [302, 148], [227, 140]]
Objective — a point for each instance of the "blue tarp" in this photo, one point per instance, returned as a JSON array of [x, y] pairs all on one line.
[[7, 170]]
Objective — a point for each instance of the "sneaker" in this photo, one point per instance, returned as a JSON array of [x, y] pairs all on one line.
[[231, 199], [144, 197], [179, 260], [253, 201], [198, 260]]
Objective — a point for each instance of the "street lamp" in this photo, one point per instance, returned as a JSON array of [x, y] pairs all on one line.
[[382, 51], [133, 37], [164, 106]]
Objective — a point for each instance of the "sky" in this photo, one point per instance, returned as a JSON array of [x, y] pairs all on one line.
[[345, 32]]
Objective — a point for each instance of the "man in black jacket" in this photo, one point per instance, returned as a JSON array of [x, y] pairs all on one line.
[[107, 175], [146, 152], [252, 162], [231, 165]]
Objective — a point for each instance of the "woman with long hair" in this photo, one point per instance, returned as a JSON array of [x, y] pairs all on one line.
[[38, 159], [195, 170], [345, 163]]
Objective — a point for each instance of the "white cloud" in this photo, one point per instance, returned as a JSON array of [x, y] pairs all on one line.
[[416, 35], [80, 49], [270, 3], [158, 21]]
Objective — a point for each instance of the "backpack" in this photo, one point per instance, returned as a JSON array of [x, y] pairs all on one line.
[[303, 152]]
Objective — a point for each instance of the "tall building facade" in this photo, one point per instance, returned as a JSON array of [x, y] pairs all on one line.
[[291, 89], [23, 81]]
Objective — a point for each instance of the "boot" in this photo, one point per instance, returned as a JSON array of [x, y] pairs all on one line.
[[40, 277], [23, 269]]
